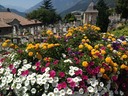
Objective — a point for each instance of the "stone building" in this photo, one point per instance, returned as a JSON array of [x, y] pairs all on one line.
[[90, 14], [13, 23]]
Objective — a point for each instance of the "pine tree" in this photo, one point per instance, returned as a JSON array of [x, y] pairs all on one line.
[[103, 16], [122, 8]]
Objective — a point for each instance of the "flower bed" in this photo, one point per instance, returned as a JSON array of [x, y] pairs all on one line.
[[83, 62]]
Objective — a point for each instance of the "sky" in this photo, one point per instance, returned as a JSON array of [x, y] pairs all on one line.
[[20, 3]]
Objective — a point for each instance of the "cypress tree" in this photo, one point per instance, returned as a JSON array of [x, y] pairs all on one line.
[[103, 15]]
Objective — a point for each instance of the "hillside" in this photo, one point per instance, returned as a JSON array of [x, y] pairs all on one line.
[[59, 5], [83, 4], [4, 9]]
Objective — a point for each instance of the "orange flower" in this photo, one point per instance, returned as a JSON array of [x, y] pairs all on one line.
[[85, 64], [38, 56], [105, 76], [30, 54], [102, 70], [123, 66], [108, 60]]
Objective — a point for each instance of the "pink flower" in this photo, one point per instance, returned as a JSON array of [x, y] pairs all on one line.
[[61, 74], [11, 66], [52, 73], [47, 64], [37, 64], [24, 73], [62, 85], [69, 80], [55, 62], [43, 69], [14, 71], [72, 84], [79, 72], [114, 78]]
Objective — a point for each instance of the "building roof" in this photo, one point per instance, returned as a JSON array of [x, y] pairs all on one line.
[[3, 24], [7, 17], [91, 8]]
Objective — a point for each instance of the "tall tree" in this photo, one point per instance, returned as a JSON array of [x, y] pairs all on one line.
[[103, 15], [122, 8], [45, 13], [69, 18]]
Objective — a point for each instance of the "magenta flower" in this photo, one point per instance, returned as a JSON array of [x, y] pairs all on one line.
[[52, 73], [55, 62], [47, 64], [37, 64], [62, 85], [114, 78], [72, 84], [37, 68], [11, 66], [84, 77], [14, 71], [43, 69], [61, 74], [69, 80], [25, 73], [79, 72]]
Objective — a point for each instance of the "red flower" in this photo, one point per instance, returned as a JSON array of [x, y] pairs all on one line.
[[14, 71], [79, 72], [52, 73], [24, 73]]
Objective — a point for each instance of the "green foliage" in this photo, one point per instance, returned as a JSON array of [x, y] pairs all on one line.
[[69, 18], [121, 31], [102, 19], [122, 8], [46, 14]]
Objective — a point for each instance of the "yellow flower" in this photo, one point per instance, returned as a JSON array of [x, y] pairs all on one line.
[[5, 45], [124, 56], [124, 42], [81, 46], [96, 46], [85, 63], [89, 47], [30, 54], [50, 46], [108, 60], [83, 40], [44, 47], [103, 52], [102, 70], [49, 32], [115, 69], [113, 39], [7, 41], [109, 45], [123, 66]]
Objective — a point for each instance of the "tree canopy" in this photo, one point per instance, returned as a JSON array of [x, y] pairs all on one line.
[[46, 14], [69, 18], [103, 15], [122, 8]]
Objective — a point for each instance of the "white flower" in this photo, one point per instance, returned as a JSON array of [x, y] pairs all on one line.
[[75, 68], [46, 86], [69, 91], [64, 55], [56, 90], [18, 79], [28, 66], [101, 84], [24, 89], [94, 83], [4, 79], [44, 81], [50, 80], [33, 90], [47, 69], [90, 89], [51, 94], [121, 93], [33, 81], [26, 94], [81, 91], [71, 72], [9, 79], [26, 83], [1, 70], [62, 92], [25, 61], [68, 61], [56, 79], [34, 67], [18, 86]]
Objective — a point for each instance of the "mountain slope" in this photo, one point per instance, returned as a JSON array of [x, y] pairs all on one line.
[[59, 5], [83, 4], [4, 9]]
